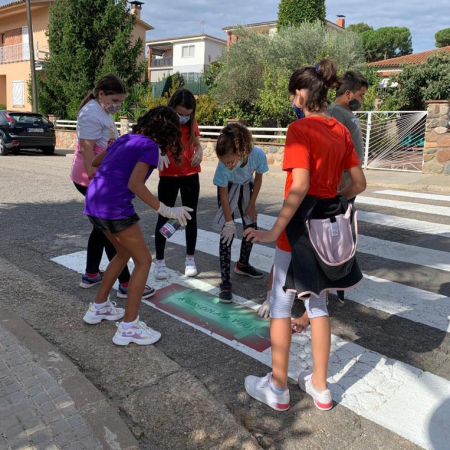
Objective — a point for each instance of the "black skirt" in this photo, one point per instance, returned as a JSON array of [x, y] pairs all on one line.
[[305, 275]]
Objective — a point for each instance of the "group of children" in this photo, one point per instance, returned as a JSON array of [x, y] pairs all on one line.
[[111, 171]]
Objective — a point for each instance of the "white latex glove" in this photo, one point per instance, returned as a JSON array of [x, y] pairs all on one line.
[[180, 213], [264, 309], [228, 232], [164, 161]]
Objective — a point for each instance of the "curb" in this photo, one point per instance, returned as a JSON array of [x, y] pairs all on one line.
[[104, 420]]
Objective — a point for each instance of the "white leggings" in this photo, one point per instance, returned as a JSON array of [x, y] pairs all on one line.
[[281, 302]]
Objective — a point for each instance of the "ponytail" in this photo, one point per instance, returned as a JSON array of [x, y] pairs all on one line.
[[317, 79]]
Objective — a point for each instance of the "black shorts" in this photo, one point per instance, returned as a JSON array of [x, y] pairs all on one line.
[[114, 226]]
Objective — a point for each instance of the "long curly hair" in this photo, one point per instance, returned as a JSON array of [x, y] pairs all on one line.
[[162, 124], [234, 138]]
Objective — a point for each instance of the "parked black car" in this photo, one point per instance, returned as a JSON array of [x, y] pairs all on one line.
[[19, 130]]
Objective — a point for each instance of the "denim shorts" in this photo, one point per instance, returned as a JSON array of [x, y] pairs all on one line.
[[115, 225]]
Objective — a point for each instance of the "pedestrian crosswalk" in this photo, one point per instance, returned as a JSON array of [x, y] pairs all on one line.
[[409, 401]]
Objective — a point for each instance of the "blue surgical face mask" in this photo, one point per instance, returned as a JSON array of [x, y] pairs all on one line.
[[298, 111], [184, 119]]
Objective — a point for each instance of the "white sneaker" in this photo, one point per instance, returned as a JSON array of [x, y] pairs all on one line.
[[139, 333], [108, 312], [259, 389], [160, 270], [190, 268], [322, 399]]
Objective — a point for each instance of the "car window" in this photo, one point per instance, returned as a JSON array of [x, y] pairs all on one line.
[[3, 120], [28, 118]]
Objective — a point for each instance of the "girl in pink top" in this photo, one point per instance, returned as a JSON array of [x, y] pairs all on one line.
[[95, 131]]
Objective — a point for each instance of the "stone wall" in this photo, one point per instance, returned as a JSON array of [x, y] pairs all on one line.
[[436, 157], [66, 139]]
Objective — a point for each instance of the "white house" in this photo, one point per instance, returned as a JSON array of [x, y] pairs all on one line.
[[186, 55]]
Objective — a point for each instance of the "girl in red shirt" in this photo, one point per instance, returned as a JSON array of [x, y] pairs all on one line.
[[318, 149], [182, 178]]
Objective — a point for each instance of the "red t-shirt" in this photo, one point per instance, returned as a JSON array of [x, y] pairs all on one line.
[[326, 149], [184, 169]]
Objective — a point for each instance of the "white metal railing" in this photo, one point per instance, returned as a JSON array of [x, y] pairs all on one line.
[[161, 62], [393, 140], [14, 53], [257, 132], [72, 124]]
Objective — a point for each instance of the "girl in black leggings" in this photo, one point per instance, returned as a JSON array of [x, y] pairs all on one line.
[[181, 178]]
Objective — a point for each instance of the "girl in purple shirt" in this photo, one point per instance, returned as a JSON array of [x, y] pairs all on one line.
[[123, 169]]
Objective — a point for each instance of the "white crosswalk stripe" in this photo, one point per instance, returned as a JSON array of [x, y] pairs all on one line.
[[415, 195], [393, 394], [406, 206], [395, 251]]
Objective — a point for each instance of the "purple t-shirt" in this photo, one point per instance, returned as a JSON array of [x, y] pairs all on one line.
[[108, 196]]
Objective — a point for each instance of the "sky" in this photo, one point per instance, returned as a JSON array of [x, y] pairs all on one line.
[[182, 17]]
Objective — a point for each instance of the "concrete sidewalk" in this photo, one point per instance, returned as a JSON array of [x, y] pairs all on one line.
[[45, 402]]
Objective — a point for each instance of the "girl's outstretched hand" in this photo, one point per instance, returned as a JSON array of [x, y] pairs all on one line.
[[252, 235], [180, 213]]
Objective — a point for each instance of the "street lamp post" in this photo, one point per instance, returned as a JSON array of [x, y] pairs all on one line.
[[32, 62]]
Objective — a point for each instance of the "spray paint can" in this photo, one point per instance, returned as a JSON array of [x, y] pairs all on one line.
[[170, 228]]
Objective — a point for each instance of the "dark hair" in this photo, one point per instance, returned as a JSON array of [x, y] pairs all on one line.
[[317, 80], [234, 138], [351, 81], [109, 84], [163, 126], [185, 98]]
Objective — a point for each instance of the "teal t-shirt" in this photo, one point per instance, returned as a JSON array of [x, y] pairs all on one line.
[[257, 162]]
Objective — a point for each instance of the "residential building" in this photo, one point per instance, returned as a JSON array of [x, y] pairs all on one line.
[[15, 51], [186, 55], [389, 67], [271, 28]]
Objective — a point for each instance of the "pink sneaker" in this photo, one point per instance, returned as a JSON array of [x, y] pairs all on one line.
[[139, 333], [322, 399], [259, 389]]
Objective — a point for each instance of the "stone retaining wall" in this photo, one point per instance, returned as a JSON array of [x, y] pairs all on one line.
[[66, 140], [436, 156]]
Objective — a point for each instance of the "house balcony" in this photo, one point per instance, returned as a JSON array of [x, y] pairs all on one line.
[[161, 62], [14, 53]]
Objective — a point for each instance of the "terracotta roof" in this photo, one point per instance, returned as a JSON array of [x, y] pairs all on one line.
[[12, 4], [415, 58]]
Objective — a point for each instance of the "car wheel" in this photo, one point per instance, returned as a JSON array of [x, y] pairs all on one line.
[[3, 150], [48, 150]]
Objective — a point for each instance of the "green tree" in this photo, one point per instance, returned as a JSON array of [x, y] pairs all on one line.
[[87, 39], [442, 37], [359, 28], [418, 83], [386, 42], [295, 12], [253, 76]]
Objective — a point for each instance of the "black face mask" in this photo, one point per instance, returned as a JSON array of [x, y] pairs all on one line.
[[354, 105]]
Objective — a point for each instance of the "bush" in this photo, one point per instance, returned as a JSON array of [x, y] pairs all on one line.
[[419, 83], [2, 106], [251, 80]]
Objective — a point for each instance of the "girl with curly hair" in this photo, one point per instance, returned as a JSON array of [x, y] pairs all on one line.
[[238, 179], [125, 167]]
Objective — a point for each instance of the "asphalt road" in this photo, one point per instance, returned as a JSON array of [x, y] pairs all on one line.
[[390, 339]]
